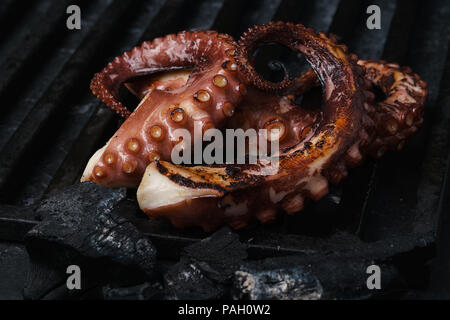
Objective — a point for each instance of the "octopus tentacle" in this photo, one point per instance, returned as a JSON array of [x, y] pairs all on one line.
[[400, 113], [172, 52], [248, 43], [263, 189], [149, 133], [397, 114]]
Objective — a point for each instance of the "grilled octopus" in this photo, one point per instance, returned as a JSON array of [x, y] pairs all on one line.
[[316, 146]]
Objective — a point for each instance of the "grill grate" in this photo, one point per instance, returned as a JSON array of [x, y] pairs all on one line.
[[51, 124]]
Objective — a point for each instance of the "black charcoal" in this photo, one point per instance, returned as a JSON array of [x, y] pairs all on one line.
[[206, 268], [80, 227], [294, 283], [309, 276]]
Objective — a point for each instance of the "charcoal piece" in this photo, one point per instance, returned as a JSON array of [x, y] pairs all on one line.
[[294, 283], [206, 268], [219, 255], [187, 281], [310, 276], [76, 201], [80, 227]]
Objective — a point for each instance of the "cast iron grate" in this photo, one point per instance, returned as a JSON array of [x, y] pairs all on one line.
[[51, 123]]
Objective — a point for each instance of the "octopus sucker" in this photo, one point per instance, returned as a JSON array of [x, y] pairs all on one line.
[[217, 86]]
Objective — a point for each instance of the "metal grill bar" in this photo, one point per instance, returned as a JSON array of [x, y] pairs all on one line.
[[229, 17], [31, 46], [55, 96], [38, 76], [9, 11]]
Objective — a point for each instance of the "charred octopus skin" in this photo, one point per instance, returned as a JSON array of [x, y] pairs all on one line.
[[205, 96]]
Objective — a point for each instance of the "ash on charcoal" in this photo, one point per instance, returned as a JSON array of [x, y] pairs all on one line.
[[186, 281], [309, 276], [206, 268], [80, 227], [289, 283]]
